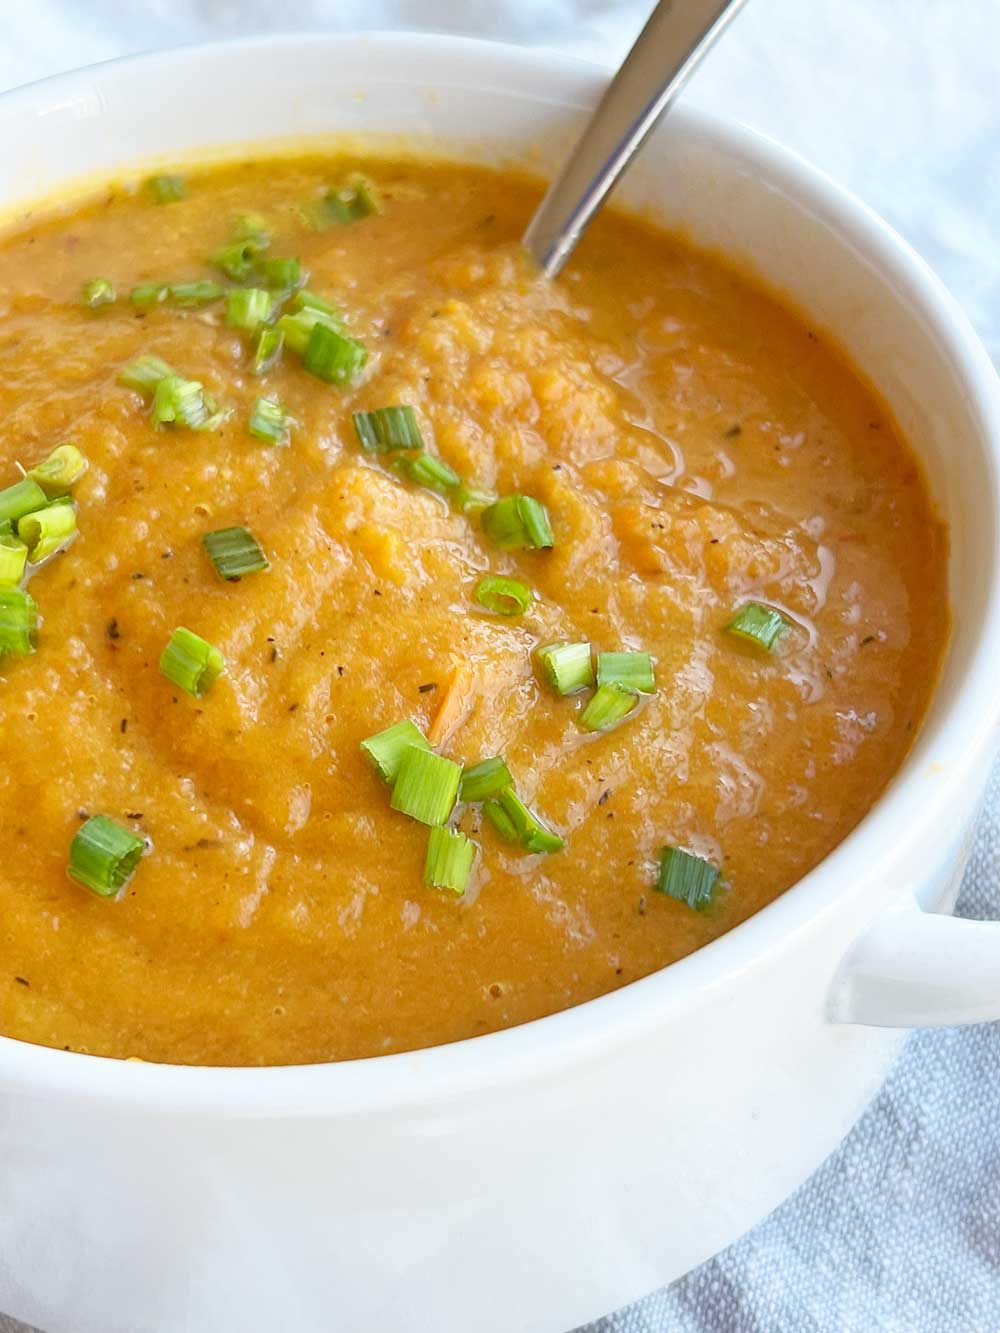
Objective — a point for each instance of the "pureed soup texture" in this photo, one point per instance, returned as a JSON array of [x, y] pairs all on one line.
[[414, 646]]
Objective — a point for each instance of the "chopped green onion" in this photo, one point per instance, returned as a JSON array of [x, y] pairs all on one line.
[[247, 307], [351, 202], [607, 706], [191, 662], [270, 421], [430, 471], [103, 856], [266, 350], [450, 855], [633, 670], [307, 300], [470, 501], [506, 597], [18, 622], [149, 294], [281, 274], [144, 374], [500, 820], [426, 785], [388, 428], [239, 259], [181, 402], [298, 327], [194, 293], [166, 189], [46, 530], [758, 624], [21, 498], [254, 227], [13, 556], [98, 292], [485, 779], [516, 823], [62, 469], [518, 521], [689, 879], [385, 749], [332, 356], [567, 666], [234, 552]]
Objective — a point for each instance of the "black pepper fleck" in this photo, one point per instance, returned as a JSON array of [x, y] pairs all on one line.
[[426, 689], [112, 631], [604, 796], [123, 727], [22, 981], [733, 431]]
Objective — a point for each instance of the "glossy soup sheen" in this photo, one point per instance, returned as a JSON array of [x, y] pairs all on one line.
[[696, 445]]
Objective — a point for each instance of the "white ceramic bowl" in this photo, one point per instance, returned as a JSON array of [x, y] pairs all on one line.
[[527, 1181]]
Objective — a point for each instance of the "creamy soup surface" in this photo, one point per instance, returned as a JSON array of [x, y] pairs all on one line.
[[696, 447]]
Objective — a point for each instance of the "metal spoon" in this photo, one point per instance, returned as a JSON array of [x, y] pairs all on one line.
[[665, 54]]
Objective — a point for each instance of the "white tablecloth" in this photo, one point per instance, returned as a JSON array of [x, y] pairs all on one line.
[[898, 99]]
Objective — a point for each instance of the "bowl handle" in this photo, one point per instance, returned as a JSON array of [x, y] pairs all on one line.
[[918, 969]]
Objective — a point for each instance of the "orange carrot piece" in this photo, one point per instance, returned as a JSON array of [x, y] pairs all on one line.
[[456, 703]]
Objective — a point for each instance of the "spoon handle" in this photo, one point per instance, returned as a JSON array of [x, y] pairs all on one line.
[[668, 49]]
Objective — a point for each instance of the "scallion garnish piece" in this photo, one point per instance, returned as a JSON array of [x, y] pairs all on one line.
[[98, 292], [689, 879], [46, 530], [388, 428], [430, 471], [181, 402], [270, 421], [385, 749], [247, 307], [281, 274], [633, 670], [266, 350], [516, 823], [18, 622], [194, 293], [234, 552], [607, 706], [757, 624], [350, 202], [518, 521], [426, 785], [505, 597], [20, 499], [308, 300], [254, 227], [59, 472], [298, 327], [500, 820], [487, 778], [470, 501], [450, 855], [166, 189], [103, 856], [144, 373], [13, 557], [567, 666], [148, 294], [238, 260], [191, 662], [333, 356]]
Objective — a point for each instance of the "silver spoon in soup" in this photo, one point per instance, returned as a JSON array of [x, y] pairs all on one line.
[[667, 51]]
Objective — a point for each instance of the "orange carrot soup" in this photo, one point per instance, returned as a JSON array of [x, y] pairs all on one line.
[[395, 645]]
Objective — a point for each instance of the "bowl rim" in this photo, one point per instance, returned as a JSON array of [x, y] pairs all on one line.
[[543, 1047]]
